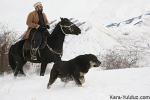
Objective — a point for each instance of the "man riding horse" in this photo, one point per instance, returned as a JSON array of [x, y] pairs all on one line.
[[36, 20]]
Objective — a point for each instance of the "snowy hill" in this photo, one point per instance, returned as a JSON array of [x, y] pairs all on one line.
[[108, 11], [99, 85]]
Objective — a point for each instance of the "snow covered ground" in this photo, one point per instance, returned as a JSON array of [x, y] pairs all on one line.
[[99, 85]]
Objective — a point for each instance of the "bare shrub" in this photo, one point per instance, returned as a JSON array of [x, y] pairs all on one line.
[[7, 37], [116, 59]]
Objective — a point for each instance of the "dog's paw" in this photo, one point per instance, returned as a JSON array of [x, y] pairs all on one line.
[[48, 86]]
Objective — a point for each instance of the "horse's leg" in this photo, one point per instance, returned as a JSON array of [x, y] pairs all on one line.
[[12, 63], [21, 69], [16, 70], [11, 59], [43, 68]]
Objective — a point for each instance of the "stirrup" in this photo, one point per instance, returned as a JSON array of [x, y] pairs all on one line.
[[33, 57]]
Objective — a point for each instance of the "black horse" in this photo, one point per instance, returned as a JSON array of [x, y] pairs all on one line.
[[52, 52]]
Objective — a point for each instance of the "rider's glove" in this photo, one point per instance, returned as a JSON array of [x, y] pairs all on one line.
[[41, 28], [47, 26]]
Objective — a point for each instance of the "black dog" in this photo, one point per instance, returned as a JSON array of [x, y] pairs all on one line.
[[73, 69]]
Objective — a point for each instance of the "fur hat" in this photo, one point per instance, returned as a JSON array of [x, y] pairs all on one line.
[[36, 4]]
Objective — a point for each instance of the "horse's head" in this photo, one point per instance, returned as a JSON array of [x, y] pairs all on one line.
[[68, 27]]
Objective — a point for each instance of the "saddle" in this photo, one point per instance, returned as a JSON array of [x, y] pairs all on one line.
[[28, 44]]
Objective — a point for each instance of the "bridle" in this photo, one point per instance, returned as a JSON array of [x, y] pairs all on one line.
[[61, 27], [66, 26]]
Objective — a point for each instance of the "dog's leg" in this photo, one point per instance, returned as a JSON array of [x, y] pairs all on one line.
[[53, 77], [82, 79], [76, 77], [43, 68]]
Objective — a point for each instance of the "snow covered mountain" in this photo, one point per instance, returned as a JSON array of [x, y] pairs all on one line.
[[137, 21]]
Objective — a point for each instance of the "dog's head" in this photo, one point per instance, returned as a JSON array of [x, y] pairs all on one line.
[[94, 62]]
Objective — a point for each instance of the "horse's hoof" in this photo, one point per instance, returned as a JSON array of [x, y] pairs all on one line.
[[22, 75], [80, 85], [42, 74], [15, 75]]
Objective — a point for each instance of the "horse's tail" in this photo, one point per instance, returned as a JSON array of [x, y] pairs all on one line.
[[11, 58]]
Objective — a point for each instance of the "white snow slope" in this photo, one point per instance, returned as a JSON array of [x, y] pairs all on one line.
[[99, 85]]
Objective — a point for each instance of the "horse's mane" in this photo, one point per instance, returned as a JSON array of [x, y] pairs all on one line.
[[56, 38]]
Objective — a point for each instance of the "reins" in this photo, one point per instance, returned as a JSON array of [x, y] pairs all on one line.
[[61, 26]]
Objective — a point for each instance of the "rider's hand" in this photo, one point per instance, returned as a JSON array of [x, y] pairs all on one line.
[[47, 26], [41, 28]]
